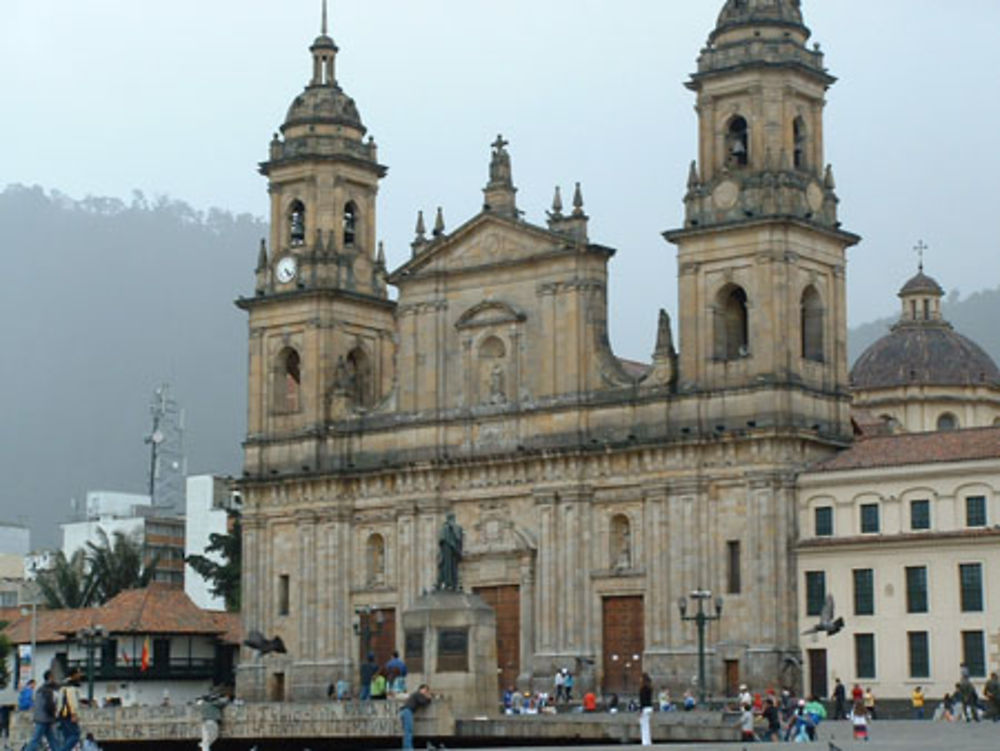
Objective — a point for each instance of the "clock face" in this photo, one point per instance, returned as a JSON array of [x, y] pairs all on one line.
[[285, 270]]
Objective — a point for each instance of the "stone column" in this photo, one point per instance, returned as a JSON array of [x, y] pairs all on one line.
[[545, 637], [660, 596]]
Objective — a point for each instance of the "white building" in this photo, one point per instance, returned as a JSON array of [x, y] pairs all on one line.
[[188, 650], [208, 499], [903, 528]]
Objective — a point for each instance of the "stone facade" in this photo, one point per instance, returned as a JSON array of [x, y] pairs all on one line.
[[599, 491]]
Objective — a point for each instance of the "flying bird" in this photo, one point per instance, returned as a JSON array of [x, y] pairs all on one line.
[[827, 622], [257, 641]]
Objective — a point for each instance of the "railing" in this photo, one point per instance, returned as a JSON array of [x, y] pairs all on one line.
[[176, 669]]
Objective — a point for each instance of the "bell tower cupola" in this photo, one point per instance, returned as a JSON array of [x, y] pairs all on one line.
[[761, 254], [323, 177]]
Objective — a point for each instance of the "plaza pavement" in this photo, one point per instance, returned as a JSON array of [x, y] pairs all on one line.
[[885, 735]]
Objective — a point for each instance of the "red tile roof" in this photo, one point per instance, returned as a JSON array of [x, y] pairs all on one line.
[[158, 609], [230, 623], [916, 448]]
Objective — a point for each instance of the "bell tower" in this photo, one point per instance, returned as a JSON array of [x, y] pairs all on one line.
[[761, 256], [320, 320]]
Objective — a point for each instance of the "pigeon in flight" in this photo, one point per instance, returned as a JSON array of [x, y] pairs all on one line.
[[827, 622], [257, 641]]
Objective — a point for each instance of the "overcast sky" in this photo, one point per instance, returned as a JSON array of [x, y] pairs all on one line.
[[106, 96]]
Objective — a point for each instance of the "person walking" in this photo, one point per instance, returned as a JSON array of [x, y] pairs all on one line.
[[45, 714], [773, 719], [645, 708], [416, 701], [69, 711], [840, 701], [368, 670], [859, 721], [917, 702], [992, 693]]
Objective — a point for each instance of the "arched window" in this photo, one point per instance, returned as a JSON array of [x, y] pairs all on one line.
[[737, 142], [360, 385], [287, 381], [947, 421], [731, 328], [799, 138], [492, 371], [811, 320], [375, 560], [296, 223], [621, 542], [350, 223]]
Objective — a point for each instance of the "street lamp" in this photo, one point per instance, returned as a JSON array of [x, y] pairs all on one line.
[[700, 619], [363, 625], [90, 638]]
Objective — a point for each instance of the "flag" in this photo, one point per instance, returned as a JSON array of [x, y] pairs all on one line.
[[144, 661]]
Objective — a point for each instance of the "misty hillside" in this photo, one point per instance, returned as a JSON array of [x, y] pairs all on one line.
[[106, 299]]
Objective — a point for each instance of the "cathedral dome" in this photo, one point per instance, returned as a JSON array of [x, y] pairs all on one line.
[[756, 11], [915, 354], [325, 104], [922, 349]]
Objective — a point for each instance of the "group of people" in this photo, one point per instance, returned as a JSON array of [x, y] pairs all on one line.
[[56, 713], [965, 702], [377, 682], [773, 717]]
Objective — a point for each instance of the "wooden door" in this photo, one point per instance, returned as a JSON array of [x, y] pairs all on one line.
[[506, 602], [383, 638], [817, 673], [623, 644], [732, 677]]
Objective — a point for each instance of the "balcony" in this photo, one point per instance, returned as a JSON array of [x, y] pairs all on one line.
[[192, 668]]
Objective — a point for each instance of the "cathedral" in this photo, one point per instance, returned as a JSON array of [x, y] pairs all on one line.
[[594, 492]]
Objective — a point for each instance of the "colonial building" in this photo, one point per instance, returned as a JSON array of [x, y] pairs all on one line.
[[903, 528], [593, 493]]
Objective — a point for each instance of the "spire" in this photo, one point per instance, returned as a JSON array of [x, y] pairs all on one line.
[[578, 201], [380, 257], [324, 52], [420, 241], [693, 175], [438, 223], [262, 256], [557, 205]]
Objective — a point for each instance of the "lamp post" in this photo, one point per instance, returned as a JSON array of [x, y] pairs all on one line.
[[363, 625], [701, 618], [90, 638]]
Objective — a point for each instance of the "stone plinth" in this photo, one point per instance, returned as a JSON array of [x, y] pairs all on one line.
[[450, 642]]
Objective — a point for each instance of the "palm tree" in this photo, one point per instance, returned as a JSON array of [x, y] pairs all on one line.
[[66, 584], [117, 563]]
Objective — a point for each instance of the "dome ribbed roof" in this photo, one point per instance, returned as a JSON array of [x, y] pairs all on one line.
[[921, 283], [923, 353], [740, 12], [324, 104]]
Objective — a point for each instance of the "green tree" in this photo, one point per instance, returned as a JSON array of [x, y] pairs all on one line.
[[224, 576], [117, 563], [5, 651], [66, 584]]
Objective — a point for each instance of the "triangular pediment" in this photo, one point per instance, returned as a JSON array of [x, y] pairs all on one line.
[[484, 241]]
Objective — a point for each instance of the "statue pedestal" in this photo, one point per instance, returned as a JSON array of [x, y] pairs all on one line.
[[450, 640]]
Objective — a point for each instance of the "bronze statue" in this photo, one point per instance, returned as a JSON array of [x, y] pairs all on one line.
[[449, 554]]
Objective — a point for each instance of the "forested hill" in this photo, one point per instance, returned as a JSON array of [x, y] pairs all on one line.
[[104, 301], [107, 299]]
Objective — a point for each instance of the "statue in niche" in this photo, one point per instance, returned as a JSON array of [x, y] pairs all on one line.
[[497, 394], [621, 544], [449, 554]]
